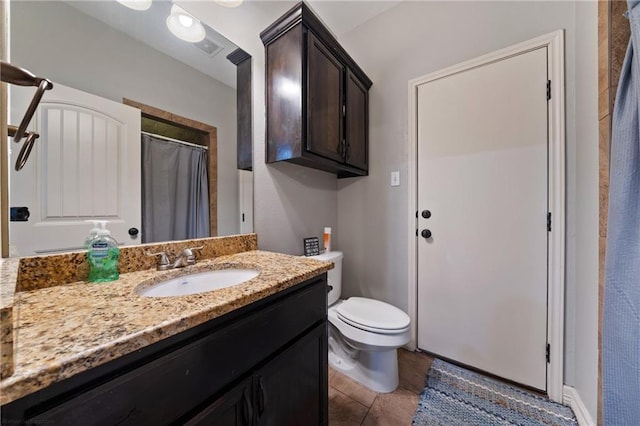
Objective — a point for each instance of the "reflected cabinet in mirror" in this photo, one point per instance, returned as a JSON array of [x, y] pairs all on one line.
[[140, 128]]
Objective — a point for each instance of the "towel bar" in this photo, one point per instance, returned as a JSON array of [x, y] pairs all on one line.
[[21, 77]]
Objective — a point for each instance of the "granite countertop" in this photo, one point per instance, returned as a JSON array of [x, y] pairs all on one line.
[[8, 274], [64, 330], [8, 277]]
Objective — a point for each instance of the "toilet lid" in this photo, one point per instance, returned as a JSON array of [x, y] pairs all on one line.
[[373, 315]]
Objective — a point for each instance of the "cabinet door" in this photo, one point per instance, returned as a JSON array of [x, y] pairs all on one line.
[[324, 101], [244, 129], [234, 408], [292, 389], [284, 96], [357, 124]]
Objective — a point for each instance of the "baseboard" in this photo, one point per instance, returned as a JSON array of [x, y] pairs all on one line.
[[411, 346], [571, 397]]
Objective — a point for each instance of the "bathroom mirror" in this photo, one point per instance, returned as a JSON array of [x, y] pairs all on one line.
[[103, 53]]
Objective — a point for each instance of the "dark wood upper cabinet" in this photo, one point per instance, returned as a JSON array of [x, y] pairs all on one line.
[[357, 124], [284, 97], [324, 101], [317, 97], [242, 61]]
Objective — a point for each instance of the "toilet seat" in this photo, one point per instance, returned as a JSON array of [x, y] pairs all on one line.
[[373, 315]]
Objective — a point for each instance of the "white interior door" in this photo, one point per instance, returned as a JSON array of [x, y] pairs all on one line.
[[85, 165], [482, 174]]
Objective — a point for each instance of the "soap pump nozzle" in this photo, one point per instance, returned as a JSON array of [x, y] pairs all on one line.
[[93, 233], [103, 227]]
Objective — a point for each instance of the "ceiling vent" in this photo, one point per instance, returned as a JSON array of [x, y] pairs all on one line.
[[209, 46]]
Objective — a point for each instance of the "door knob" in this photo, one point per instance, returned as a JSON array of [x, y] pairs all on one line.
[[426, 233], [19, 214], [426, 214]]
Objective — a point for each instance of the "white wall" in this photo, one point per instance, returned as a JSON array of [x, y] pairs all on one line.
[[131, 70], [585, 283], [416, 38]]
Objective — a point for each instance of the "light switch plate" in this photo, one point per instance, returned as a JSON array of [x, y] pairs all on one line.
[[395, 178]]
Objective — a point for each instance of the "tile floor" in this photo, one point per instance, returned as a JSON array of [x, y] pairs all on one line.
[[352, 404]]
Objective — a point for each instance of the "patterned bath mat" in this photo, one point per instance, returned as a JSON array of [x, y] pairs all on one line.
[[456, 396]]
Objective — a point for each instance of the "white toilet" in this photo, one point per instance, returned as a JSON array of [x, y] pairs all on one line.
[[364, 334]]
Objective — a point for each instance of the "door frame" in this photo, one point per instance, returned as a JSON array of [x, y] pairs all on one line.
[[554, 42], [211, 134]]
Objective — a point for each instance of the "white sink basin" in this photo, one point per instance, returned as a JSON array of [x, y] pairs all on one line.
[[198, 283]]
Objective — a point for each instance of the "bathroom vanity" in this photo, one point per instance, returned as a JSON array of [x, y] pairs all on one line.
[[254, 353]]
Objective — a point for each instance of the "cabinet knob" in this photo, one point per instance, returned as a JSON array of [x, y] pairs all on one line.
[[426, 233], [426, 214], [342, 148]]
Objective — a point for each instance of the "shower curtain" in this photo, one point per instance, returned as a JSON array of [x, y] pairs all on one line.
[[621, 322], [175, 191]]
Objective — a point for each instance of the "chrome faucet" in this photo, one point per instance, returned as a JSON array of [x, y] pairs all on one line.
[[185, 258]]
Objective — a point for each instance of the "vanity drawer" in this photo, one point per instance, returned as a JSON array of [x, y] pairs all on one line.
[[171, 386]]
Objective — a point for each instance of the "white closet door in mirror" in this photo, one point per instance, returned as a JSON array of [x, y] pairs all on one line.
[[85, 165]]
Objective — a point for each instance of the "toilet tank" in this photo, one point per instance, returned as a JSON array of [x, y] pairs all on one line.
[[334, 276]]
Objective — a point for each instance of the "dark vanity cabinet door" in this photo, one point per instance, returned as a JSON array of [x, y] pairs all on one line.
[[324, 101], [357, 122], [234, 408], [291, 389]]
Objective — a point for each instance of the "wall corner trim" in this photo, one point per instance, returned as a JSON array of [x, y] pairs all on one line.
[[571, 398]]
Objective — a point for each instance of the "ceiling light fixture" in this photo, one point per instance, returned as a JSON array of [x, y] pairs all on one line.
[[136, 4], [229, 3], [185, 26]]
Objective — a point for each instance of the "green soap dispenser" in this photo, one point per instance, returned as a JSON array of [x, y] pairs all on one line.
[[103, 254]]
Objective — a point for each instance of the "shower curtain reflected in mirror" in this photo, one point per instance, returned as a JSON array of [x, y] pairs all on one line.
[[175, 191]]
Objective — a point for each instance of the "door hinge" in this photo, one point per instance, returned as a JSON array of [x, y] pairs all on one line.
[[548, 89], [548, 221], [548, 353]]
